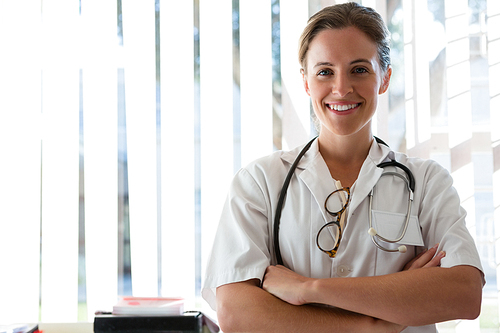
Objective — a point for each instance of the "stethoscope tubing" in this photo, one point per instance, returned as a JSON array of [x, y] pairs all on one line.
[[410, 182], [279, 208], [408, 211]]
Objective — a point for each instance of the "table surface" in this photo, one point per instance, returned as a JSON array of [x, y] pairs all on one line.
[[81, 327]]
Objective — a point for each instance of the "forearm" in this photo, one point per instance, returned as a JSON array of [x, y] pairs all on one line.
[[245, 307], [412, 298]]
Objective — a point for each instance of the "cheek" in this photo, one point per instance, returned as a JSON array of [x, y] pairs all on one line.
[[370, 92], [317, 90]]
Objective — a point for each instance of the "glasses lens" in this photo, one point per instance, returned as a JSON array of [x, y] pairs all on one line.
[[328, 236], [335, 201]]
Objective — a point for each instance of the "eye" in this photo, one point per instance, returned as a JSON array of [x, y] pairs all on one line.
[[360, 70], [325, 72]]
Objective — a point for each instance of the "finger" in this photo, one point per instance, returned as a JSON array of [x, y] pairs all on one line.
[[410, 263], [424, 258], [267, 273], [436, 261], [281, 267], [272, 270]]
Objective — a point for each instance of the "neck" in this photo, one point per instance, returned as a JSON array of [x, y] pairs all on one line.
[[344, 155], [345, 149]]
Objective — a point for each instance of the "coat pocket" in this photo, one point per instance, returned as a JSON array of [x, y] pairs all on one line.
[[391, 226]]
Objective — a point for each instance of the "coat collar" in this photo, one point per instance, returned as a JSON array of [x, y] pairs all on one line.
[[313, 171], [310, 155], [377, 154], [369, 173]]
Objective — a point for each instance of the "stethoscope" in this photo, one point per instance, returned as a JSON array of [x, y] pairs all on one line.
[[409, 182]]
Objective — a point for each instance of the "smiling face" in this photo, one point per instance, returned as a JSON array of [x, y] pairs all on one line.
[[343, 77]]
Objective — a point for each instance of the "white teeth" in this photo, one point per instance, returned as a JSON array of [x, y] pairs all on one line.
[[342, 107]]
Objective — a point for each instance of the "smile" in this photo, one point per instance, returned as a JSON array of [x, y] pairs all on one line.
[[344, 107]]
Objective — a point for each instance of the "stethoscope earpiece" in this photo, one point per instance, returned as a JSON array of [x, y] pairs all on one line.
[[401, 249], [372, 232]]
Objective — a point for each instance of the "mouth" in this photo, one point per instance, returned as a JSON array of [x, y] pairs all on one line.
[[342, 107]]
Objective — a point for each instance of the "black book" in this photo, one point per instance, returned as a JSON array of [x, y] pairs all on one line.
[[189, 322]]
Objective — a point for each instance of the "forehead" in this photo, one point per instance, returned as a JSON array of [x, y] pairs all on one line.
[[341, 46]]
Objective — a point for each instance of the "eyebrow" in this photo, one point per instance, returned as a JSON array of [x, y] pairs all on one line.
[[357, 61]]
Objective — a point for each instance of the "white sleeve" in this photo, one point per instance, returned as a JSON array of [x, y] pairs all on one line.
[[442, 219], [240, 251]]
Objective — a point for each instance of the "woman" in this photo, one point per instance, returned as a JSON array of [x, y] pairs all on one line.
[[344, 53]]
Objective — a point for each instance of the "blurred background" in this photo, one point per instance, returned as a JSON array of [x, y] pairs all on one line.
[[122, 123]]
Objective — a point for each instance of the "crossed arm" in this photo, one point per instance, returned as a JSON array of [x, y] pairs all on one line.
[[421, 294]]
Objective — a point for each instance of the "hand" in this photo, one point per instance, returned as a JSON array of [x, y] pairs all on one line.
[[285, 284], [427, 258]]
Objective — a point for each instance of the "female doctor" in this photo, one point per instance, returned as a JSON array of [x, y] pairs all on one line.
[[349, 284]]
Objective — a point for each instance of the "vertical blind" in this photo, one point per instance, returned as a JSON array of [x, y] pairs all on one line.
[[122, 123]]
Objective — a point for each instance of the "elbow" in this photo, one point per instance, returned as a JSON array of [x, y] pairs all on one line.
[[470, 311], [473, 308], [225, 322], [475, 297], [470, 301], [459, 297], [233, 311], [226, 317]]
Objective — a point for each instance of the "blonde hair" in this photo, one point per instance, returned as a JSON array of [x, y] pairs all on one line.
[[343, 16]]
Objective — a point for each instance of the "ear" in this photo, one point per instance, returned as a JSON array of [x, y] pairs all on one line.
[[304, 81], [385, 81]]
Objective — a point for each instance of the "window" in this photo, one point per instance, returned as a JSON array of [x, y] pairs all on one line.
[[122, 124]]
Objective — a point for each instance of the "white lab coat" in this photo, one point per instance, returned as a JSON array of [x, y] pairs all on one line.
[[243, 245]]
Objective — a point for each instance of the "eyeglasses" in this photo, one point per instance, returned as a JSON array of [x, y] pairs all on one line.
[[335, 204]]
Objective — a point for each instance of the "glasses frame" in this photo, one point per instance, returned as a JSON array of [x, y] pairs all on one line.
[[337, 215]]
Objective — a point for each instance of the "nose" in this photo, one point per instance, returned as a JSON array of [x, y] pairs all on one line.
[[342, 85]]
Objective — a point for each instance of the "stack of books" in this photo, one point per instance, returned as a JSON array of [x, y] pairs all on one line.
[[152, 315], [19, 328], [149, 306]]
